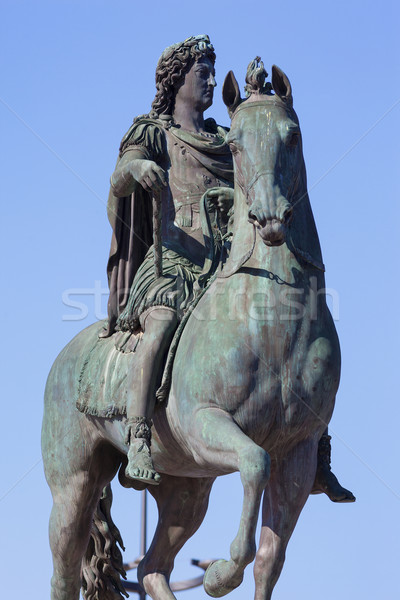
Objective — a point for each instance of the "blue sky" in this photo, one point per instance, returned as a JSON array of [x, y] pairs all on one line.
[[73, 76]]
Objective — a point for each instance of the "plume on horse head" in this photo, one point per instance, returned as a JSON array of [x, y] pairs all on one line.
[[256, 85], [255, 78]]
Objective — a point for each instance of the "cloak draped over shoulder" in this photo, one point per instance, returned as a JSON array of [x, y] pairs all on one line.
[[131, 216]]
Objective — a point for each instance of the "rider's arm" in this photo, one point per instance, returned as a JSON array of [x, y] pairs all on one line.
[[139, 151], [122, 181]]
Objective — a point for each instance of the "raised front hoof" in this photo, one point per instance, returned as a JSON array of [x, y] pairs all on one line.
[[218, 581]]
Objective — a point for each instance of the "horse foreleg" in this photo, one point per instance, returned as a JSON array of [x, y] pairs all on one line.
[[284, 497], [217, 441], [182, 504]]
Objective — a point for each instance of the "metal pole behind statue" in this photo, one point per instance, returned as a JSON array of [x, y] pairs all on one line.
[[143, 535]]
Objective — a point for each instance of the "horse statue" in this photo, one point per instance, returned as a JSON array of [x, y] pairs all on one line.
[[252, 387]]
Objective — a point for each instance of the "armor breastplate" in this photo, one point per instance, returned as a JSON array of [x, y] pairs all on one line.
[[188, 180]]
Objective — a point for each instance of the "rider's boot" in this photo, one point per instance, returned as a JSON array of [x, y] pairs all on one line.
[[325, 481], [158, 325]]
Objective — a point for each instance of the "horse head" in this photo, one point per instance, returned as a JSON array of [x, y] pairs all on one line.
[[265, 142]]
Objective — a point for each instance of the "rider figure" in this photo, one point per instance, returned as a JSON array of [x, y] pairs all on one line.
[[172, 152]]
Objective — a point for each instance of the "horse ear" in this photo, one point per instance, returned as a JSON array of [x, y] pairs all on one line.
[[231, 93], [281, 85]]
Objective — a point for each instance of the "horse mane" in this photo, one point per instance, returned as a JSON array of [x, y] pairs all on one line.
[[303, 231]]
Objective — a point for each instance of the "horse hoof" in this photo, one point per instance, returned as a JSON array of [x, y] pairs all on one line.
[[214, 581]]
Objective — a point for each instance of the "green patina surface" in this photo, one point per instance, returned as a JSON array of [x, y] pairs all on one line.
[[253, 379]]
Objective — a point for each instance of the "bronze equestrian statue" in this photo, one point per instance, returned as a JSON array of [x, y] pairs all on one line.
[[252, 356]]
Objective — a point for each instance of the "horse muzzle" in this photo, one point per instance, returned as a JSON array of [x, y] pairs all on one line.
[[271, 230]]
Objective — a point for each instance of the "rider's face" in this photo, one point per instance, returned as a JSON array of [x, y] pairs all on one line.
[[198, 86]]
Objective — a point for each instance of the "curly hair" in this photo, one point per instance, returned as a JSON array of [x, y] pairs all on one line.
[[172, 67]]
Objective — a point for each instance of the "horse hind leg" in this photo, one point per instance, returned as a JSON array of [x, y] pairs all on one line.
[[217, 441], [182, 504], [69, 531], [284, 498], [76, 493]]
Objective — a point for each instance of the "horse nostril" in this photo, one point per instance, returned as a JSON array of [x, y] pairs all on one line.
[[256, 219], [287, 215], [251, 217]]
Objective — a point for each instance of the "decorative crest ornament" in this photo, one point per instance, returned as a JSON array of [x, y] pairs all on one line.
[[255, 78]]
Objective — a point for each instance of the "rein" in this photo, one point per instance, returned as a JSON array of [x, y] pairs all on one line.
[[231, 270]]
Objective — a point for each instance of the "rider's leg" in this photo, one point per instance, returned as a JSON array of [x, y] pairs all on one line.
[[158, 324], [325, 481]]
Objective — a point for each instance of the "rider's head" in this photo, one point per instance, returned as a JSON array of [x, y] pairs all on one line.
[[174, 63]]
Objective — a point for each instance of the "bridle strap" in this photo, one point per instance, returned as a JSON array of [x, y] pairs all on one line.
[[255, 177]]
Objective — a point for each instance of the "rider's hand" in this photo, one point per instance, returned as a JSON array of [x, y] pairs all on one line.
[[146, 172], [222, 198]]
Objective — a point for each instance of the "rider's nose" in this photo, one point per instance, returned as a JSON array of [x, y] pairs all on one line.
[[212, 81]]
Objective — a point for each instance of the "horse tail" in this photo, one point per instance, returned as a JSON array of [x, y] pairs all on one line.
[[102, 563]]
